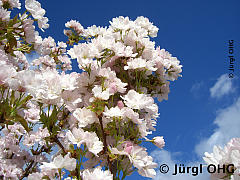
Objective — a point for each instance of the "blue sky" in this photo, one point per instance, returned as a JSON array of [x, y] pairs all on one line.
[[204, 105]]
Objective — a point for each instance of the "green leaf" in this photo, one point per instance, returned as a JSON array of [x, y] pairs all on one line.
[[12, 42], [2, 37], [24, 101], [12, 98], [15, 19], [22, 121]]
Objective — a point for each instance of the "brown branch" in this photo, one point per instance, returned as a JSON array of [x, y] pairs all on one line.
[[56, 140], [104, 135], [105, 144], [27, 170], [26, 173]]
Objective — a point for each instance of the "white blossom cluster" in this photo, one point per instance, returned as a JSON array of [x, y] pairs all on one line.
[[101, 114], [228, 155]]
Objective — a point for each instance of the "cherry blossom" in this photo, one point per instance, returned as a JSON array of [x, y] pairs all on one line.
[[228, 155], [92, 122]]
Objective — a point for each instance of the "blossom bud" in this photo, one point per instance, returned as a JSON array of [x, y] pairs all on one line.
[[120, 104], [159, 141], [128, 147], [113, 88]]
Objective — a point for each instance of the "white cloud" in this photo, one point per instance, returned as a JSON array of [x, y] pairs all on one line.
[[30, 57], [227, 119], [222, 87], [197, 86], [228, 122], [198, 89], [165, 157]]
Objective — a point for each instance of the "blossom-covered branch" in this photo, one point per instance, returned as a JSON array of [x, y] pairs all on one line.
[[91, 123]]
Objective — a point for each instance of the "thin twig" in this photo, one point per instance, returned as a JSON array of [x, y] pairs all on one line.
[[105, 144], [60, 144], [26, 173]]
